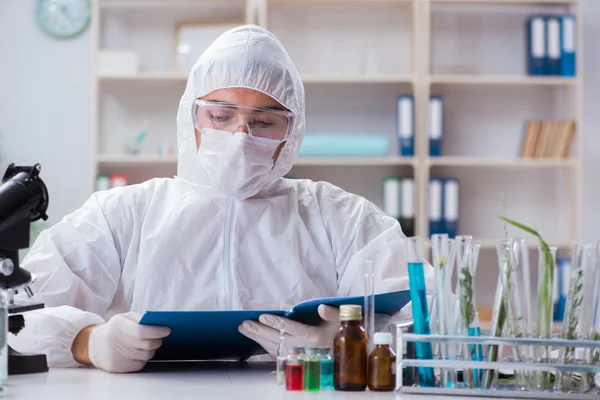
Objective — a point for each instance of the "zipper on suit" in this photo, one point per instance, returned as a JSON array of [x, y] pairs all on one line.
[[228, 274]]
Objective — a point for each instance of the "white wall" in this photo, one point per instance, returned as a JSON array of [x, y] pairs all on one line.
[[45, 107], [591, 121]]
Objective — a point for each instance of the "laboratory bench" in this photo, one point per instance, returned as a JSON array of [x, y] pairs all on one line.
[[219, 381]]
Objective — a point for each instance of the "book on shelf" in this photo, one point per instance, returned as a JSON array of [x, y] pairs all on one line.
[[547, 139]]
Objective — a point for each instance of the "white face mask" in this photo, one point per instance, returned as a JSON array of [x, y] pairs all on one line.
[[237, 165]]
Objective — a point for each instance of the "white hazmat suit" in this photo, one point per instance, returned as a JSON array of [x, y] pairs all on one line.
[[181, 244]]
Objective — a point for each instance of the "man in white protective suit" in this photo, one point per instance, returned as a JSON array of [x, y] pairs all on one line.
[[228, 232]]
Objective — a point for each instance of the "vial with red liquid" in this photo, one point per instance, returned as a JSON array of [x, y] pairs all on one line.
[[294, 369]]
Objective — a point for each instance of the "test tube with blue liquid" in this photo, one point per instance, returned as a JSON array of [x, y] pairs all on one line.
[[476, 350], [420, 310]]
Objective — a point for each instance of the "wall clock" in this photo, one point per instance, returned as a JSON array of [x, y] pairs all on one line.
[[63, 18]]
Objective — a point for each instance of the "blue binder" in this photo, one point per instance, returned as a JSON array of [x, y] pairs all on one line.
[[536, 46], [568, 45], [211, 335], [553, 45], [406, 125], [451, 202], [436, 125], [435, 206]]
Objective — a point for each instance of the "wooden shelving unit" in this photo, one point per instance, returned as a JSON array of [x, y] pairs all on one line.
[[355, 57]]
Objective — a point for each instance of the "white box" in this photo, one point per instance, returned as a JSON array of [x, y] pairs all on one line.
[[118, 62]]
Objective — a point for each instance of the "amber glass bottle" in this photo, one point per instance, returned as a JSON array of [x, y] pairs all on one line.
[[350, 351], [382, 364]]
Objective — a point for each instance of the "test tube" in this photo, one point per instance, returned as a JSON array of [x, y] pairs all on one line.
[[420, 312], [440, 250], [476, 350], [496, 329], [546, 271], [369, 323], [508, 252], [468, 309], [573, 321]]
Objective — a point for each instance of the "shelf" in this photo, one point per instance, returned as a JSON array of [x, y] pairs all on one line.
[[507, 2], [126, 160], [145, 77], [163, 3], [325, 78], [339, 1], [458, 79], [501, 162], [353, 161]]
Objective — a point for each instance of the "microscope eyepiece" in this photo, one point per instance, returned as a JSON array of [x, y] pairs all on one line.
[[23, 193]]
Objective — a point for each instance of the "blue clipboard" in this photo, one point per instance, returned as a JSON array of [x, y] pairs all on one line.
[[211, 335]]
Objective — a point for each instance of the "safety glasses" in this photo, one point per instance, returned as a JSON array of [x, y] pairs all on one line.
[[260, 122]]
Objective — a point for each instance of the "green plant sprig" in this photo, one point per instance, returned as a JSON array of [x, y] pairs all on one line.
[[466, 301], [544, 296]]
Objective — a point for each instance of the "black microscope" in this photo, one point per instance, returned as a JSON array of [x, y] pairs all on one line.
[[23, 199]]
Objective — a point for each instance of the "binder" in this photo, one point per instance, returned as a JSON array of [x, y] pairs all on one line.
[[391, 197], [102, 182], [553, 45], [406, 125], [435, 206], [407, 212], [191, 340], [536, 45], [568, 45], [451, 207], [436, 125], [561, 287]]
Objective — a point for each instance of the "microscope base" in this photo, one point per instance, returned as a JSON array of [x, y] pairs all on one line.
[[19, 363]]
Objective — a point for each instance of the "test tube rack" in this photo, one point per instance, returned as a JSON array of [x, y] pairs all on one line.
[[499, 390]]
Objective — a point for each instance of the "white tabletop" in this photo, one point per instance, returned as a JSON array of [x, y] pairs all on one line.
[[222, 381]]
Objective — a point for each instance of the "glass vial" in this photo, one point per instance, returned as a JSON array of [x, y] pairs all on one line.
[[350, 351], [326, 368], [382, 364], [311, 370], [293, 369]]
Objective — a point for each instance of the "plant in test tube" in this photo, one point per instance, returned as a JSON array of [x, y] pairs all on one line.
[[547, 263]]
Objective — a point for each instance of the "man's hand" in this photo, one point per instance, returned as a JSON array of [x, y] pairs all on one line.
[[119, 345], [266, 332]]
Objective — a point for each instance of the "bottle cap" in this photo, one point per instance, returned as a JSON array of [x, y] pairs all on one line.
[[311, 350], [324, 351], [350, 313], [382, 338]]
